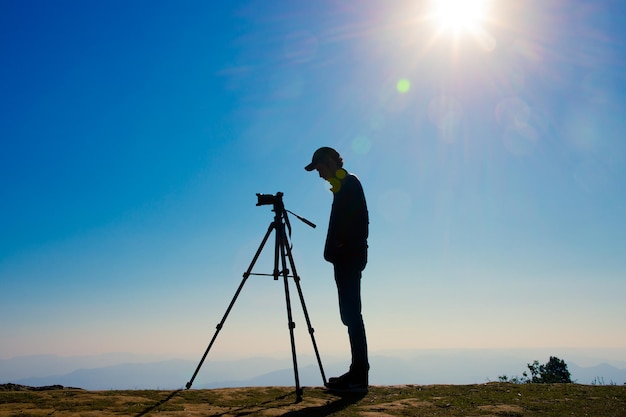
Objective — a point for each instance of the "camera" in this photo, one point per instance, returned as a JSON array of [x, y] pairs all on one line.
[[265, 199]]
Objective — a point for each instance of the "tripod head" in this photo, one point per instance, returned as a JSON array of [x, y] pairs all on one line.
[[279, 207]]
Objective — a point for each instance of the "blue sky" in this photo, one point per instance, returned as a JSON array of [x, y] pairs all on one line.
[[136, 135]]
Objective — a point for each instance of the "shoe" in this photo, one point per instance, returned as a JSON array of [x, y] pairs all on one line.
[[336, 379], [348, 388], [348, 384]]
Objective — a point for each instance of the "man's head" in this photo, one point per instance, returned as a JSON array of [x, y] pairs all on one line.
[[326, 161]]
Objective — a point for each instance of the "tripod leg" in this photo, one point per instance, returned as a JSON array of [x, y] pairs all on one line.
[[296, 279], [280, 250], [232, 303], [219, 327]]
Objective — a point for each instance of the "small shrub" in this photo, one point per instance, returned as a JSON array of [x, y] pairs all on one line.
[[554, 371]]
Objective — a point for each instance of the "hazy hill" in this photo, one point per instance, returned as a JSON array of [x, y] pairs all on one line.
[[120, 371]]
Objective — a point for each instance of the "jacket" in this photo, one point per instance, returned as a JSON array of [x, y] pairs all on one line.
[[348, 228]]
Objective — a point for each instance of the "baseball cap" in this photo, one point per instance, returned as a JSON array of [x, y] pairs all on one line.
[[321, 154]]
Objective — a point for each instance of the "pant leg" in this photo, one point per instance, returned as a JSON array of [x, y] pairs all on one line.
[[348, 279]]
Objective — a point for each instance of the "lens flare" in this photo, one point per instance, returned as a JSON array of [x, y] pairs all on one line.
[[403, 86]]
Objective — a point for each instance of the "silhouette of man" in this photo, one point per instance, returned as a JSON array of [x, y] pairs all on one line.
[[346, 249]]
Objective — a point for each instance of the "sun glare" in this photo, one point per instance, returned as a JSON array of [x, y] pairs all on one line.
[[459, 15]]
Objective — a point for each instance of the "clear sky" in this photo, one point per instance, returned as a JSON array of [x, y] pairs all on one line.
[[135, 136]]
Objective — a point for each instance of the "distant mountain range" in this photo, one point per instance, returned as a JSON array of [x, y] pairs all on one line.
[[125, 371]]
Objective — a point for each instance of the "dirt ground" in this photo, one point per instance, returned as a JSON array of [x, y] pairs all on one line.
[[486, 400]]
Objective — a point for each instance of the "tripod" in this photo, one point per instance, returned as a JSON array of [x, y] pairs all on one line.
[[282, 254]]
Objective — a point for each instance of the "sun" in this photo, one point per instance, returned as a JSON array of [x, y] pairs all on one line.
[[457, 16]]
